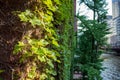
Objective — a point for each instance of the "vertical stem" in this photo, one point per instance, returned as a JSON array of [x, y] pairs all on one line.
[[93, 25], [75, 30], [94, 10], [93, 39], [75, 19]]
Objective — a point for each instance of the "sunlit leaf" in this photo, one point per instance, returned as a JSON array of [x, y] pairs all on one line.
[[55, 43]]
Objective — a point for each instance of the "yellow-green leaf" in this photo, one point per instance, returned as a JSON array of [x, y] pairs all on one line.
[[55, 43]]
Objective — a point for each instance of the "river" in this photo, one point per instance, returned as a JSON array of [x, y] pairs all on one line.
[[112, 65]]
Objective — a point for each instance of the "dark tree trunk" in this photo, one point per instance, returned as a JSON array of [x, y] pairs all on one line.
[[11, 31]]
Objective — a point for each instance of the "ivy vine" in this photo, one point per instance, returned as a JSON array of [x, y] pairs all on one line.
[[47, 42]]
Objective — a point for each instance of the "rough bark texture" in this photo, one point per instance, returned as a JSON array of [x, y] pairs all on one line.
[[11, 31]]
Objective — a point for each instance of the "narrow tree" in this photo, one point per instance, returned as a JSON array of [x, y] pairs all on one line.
[[92, 37]]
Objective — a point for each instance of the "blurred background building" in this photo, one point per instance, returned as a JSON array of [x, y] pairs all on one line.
[[114, 23]]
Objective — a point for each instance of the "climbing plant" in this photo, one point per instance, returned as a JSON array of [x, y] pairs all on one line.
[[67, 38], [46, 47], [39, 44]]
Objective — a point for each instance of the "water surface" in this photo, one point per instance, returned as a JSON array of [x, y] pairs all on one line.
[[112, 64]]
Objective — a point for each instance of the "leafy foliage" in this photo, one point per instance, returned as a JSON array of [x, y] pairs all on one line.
[[91, 38], [37, 53], [65, 24], [46, 47]]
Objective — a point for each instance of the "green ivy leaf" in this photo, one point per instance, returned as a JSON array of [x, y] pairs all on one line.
[[50, 63], [57, 2], [55, 43], [50, 5], [35, 21]]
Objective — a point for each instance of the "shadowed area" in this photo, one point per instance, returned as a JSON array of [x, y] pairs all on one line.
[[11, 31]]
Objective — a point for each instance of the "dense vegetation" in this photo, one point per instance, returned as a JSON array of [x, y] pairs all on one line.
[[42, 40], [92, 35], [45, 48]]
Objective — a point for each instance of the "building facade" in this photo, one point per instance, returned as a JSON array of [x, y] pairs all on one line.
[[116, 22], [112, 30]]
